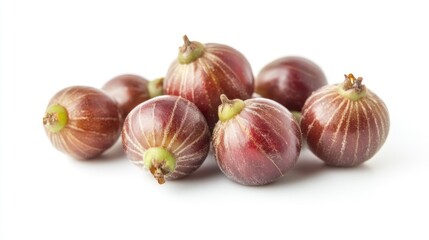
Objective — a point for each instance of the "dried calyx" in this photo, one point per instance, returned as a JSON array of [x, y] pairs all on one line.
[[352, 88], [160, 163]]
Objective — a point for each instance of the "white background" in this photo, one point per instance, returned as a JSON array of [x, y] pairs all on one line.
[[49, 45]]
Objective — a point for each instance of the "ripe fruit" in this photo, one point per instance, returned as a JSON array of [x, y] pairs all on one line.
[[289, 81], [167, 135], [201, 73], [345, 124], [130, 90], [82, 121], [255, 141]]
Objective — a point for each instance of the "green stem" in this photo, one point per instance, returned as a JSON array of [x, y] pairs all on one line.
[[190, 51], [296, 115], [155, 87], [229, 108]]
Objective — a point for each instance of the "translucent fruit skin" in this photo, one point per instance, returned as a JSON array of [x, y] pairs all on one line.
[[258, 145], [128, 90], [344, 132], [221, 69], [93, 125], [172, 123], [290, 81]]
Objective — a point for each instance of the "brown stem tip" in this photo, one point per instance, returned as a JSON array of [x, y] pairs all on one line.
[[49, 119], [229, 108], [352, 82], [190, 51], [158, 171], [186, 40], [187, 45]]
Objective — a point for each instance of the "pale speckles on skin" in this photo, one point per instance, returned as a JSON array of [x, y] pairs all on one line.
[[244, 129], [194, 80], [75, 141], [72, 145], [135, 141], [185, 78], [170, 122], [188, 166], [222, 142], [58, 141], [215, 60], [274, 152], [206, 93], [182, 123], [77, 129], [382, 110], [192, 156], [140, 120], [367, 127], [344, 101], [272, 118], [184, 142], [206, 66], [176, 174], [346, 130], [71, 103], [67, 97], [218, 51], [137, 150], [258, 106], [94, 118], [337, 130], [319, 96], [175, 72], [371, 111], [380, 116], [221, 49], [202, 134], [260, 132], [240, 167], [153, 125], [182, 69], [356, 110], [310, 126]]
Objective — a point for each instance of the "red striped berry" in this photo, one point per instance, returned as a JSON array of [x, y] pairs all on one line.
[[130, 90], [255, 141], [290, 81], [345, 124], [82, 121], [167, 135], [201, 73]]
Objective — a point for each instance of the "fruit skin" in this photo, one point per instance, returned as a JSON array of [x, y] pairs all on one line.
[[259, 144], [290, 81], [211, 70], [87, 121], [345, 127], [130, 90], [169, 126]]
